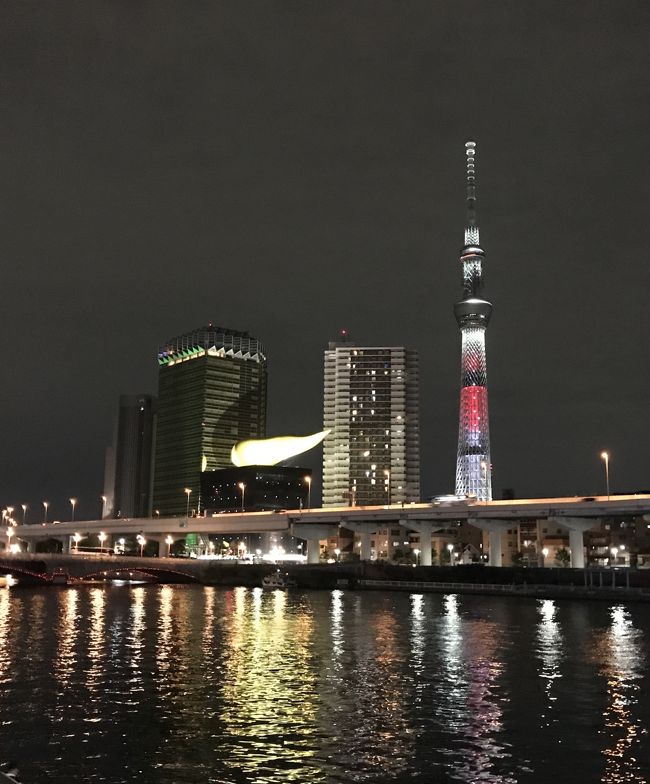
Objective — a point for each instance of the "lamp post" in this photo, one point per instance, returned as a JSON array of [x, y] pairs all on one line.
[[24, 508], [104, 500], [169, 541], [614, 552], [73, 503], [45, 505], [77, 539], [544, 554], [102, 538], [188, 493], [141, 541], [417, 556], [308, 480], [605, 457], [242, 487], [450, 547], [337, 553], [10, 533], [387, 483]]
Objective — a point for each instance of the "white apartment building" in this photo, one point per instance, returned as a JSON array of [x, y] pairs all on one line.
[[371, 407]]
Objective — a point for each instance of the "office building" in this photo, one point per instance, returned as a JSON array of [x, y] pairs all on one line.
[[372, 454], [128, 467], [255, 489], [211, 394]]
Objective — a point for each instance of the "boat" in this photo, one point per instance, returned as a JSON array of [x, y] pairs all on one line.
[[60, 577], [278, 581]]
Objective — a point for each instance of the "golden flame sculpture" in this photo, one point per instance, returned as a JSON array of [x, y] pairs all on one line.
[[271, 451]]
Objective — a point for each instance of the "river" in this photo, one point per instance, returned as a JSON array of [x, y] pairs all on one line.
[[184, 683]]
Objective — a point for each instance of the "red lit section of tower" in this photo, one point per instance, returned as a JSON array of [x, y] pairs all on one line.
[[473, 467]]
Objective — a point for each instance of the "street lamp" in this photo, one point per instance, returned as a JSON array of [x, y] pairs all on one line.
[[10, 533], [450, 547], [104, 500], [308, 480], [24, 508], [387, 483], [169, 541], [614, 552], [73, 503], [337, 553], [417, 556], [45, 505], [544, 554], [141, 541], [188, 493], [102, 538], [605, 457], [242, 487], [77, 539]]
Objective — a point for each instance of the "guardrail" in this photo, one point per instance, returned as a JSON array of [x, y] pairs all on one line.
[[523, 589]]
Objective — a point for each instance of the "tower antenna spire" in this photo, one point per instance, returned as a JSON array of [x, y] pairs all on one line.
[[473, 467], [471, 229]]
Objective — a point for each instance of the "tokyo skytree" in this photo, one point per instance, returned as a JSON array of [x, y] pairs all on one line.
[[473, 468]]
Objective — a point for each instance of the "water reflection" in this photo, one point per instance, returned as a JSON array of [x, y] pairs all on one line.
[[476, 699], [550, 650], [96, 640], [269, 695], [190, 684], [5, 648], [66, 658], [620, 653]]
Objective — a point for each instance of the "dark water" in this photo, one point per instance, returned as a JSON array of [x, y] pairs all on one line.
[[178, 684]]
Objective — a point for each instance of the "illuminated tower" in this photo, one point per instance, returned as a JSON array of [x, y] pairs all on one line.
[[473, 468]]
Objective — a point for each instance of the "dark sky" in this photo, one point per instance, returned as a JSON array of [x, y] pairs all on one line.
[[293, 167]]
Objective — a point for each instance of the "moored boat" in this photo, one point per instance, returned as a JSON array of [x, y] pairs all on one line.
[[278, 581]]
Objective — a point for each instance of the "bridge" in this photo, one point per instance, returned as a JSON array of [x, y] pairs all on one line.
[[576, 515]]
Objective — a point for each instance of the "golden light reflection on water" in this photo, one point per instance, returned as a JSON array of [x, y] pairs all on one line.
[[5, 648], [551, 652], [96, 640], [620, 654], [269, 699], [66, 657]]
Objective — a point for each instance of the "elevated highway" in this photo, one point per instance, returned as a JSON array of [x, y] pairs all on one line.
[[575, 514]]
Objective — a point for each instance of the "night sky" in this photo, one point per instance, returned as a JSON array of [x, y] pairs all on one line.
[[291, 168]]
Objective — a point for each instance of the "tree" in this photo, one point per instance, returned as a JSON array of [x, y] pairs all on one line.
[[563, 557], [518, 558]]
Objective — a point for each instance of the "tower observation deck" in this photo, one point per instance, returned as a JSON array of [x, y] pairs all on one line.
[[473, 467]]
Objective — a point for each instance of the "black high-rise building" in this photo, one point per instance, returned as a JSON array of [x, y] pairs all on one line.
[[211, 394], [128, 469]]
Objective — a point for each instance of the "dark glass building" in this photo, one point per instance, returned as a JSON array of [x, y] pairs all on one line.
[[211, 394], [128, 470], [255, 489]]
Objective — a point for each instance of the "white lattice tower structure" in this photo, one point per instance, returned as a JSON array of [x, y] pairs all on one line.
[[473, 467]]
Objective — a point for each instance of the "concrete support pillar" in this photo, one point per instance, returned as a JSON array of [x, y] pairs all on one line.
[[313, 551], [65, 549], [577, 526], [495, 545], [162, 547], [495, 528], [365, 551], [364, 531], [30, 546], [313, 534], [425, 528]]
